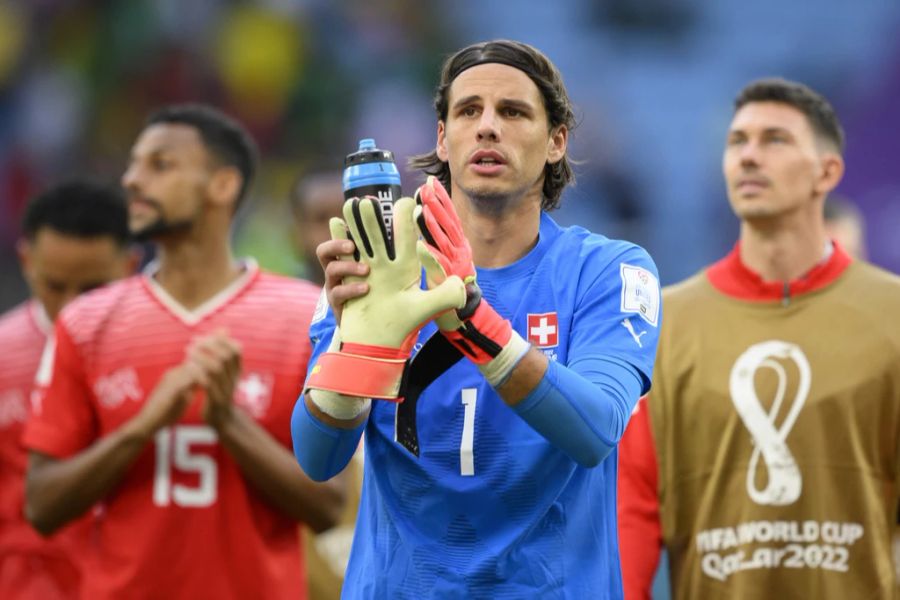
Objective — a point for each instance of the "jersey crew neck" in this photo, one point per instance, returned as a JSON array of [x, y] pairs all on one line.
[[547, 232]]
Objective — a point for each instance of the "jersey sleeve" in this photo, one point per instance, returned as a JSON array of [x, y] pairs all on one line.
[[617, 315], [640, 532], [62, 420], [321, 330]]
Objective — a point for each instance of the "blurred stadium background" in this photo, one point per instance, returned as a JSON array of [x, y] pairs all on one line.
[[653, 81]]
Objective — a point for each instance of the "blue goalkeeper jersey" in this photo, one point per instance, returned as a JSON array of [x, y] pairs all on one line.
[[489, 508]]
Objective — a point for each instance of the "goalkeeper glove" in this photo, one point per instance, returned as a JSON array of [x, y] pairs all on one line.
[[476, 329], [378, 330]]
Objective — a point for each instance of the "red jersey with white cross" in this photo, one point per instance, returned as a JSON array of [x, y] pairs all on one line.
[[183, 522], [23, 334]]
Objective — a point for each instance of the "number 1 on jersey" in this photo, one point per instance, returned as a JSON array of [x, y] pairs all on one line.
[[466, 446]]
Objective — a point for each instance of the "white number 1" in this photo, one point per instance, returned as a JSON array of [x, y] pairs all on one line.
[[203, 465], [466, 451]]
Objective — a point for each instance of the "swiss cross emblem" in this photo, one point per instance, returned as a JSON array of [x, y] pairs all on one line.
[[543, 330], [254, 393]]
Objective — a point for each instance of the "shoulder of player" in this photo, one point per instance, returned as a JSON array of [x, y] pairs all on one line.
[[20, 336], [599, 252], [877, 277], [277, 283], [281, 290], [15, 319], [686, 290], [869, 288], [686, 299], [91, 308]]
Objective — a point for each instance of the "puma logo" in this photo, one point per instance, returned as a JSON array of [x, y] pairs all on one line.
[[637, 336]]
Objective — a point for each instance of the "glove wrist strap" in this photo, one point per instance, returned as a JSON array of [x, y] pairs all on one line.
[[339, 406], [358, 375], [498, 370]]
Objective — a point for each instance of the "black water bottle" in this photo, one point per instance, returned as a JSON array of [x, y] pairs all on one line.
[[372, 172]]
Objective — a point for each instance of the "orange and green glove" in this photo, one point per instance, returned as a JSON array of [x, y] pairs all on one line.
[[476, 329], [379, 329]]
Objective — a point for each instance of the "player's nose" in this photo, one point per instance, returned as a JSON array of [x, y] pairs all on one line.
[[488, 128]]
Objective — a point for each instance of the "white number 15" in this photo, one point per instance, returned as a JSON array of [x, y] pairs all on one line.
[[182, 460]]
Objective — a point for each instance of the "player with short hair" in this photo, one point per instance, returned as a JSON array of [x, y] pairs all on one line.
[[766, 458], [495, 477], [171, 392], [74, 239]]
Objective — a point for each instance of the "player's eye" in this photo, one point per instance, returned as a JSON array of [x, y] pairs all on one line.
[[160, 164], [55, 286], [90, 286]]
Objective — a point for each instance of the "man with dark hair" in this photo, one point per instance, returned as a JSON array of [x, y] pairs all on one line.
[[171, 393], [556, 104], [226, 141], [765, 459], [74, 239], [495, 477]]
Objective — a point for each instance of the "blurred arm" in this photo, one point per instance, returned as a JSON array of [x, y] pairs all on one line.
[[640, 532], [274, 472], [60, 490]]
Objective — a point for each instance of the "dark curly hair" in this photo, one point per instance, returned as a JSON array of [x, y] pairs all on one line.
[[545, 76], [82, 208]]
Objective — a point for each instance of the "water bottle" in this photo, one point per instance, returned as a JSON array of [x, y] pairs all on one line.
[[372, 172]]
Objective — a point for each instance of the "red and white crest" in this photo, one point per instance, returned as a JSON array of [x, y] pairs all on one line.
[[117, 387], [543, 330], [254, 393]]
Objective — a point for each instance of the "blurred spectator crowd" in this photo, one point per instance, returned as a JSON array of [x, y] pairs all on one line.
[[651, 79]]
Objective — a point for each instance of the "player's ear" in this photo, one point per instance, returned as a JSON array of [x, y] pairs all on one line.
[[23, 251], [131, 260], [441, 147], [225, 185], [557, 144], [832, 172]]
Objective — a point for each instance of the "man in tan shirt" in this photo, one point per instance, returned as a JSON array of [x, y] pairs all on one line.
[[765, 459]]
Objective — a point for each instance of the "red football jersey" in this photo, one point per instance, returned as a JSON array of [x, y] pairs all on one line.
[[183, 522], [30, 565]]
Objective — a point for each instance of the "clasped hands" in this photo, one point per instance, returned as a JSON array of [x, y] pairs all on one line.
[[212, 363]]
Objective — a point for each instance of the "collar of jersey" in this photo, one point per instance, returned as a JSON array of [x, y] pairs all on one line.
[[733, 278], [192, 317], [40, 318], [526, 265]]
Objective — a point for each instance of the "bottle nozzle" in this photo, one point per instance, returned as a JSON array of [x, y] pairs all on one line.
[[366, 144]]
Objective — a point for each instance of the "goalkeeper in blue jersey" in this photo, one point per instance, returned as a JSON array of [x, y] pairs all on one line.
[[493, 390]]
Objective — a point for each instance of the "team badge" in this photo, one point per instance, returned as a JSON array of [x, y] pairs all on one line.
[[254, 394], [117, 387], [543, 330], [640, 293]]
